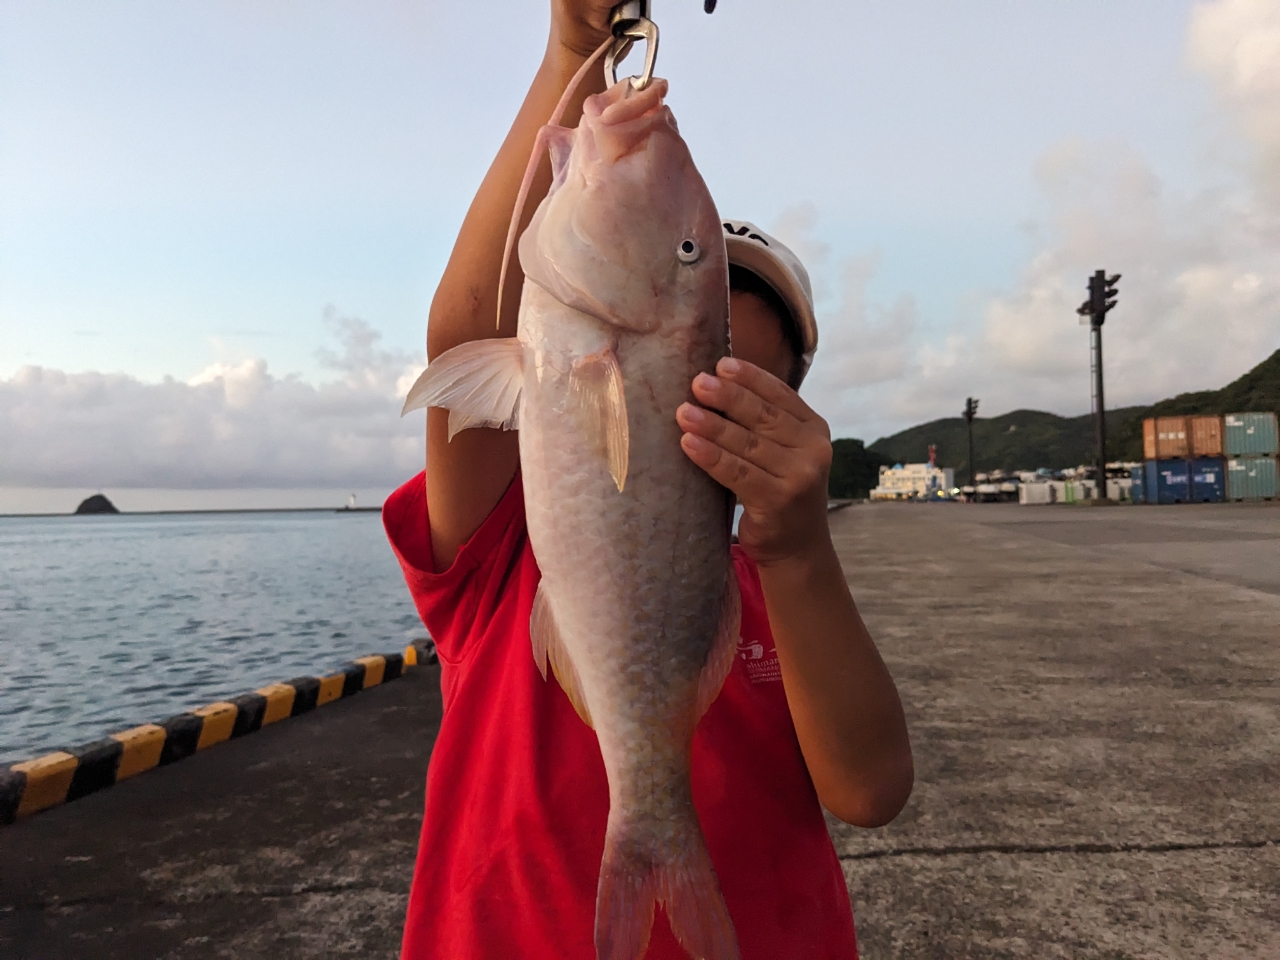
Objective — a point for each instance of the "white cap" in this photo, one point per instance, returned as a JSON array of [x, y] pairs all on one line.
[[773, 262]]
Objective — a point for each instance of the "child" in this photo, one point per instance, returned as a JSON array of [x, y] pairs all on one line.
[[516, 793]]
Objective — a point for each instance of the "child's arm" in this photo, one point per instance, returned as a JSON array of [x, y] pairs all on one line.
[[467, 477], [774, 452]]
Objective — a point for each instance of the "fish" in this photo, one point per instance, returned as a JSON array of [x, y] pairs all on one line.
[[625, 300]]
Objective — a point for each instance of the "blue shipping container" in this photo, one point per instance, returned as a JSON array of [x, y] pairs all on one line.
[[1208, 480], [1135, 491], [1167, 481]]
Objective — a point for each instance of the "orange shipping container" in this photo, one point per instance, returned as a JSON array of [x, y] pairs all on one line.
[[1166, 438], [1206, 436]]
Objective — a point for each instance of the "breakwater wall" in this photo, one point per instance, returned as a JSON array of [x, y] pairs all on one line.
[[61, 776]]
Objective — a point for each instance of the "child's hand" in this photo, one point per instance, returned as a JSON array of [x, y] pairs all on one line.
[[580, 26], [769, 448]]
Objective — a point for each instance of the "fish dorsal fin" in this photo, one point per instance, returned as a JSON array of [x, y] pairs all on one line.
[[724, 648], [478, 382], [597, 388], [549, 647]]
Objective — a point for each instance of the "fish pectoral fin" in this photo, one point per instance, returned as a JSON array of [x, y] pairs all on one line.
[[478, 382], [548, 646], [597, 388], [723, 648]]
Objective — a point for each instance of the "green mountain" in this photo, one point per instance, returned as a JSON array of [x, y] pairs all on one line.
[[1027, 439], [855, 470], [1257, 391], [1021, 440]]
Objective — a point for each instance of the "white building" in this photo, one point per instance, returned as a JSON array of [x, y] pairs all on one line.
[[913, 481]]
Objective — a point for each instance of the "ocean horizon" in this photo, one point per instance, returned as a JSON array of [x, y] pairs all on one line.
[[62, 501]]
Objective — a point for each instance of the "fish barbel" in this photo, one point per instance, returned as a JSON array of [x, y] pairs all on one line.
[[625, 301]]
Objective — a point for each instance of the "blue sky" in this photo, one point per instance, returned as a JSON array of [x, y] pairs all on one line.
[[188, 187]]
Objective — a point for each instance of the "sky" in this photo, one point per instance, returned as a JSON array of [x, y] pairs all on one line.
[[221, 223]]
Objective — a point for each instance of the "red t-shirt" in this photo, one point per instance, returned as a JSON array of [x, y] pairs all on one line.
[[517, 798]]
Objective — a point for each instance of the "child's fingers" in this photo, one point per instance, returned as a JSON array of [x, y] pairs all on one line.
[[766, 386], [748, 409], [764, 453], [749, 482]]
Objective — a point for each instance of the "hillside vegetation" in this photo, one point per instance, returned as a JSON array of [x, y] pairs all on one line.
[[1257, 391], [1028, 439], [855, 470], [1021, 440]]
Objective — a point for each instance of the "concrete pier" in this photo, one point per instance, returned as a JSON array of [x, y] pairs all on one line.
[[297, 841], [1094, 701]]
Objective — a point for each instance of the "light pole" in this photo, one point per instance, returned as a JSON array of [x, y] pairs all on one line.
[[970, 411], [1102, 298]]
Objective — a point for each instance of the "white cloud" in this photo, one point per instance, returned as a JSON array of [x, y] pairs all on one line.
[[860, 345], [1199, 297], [232, 425], [1236, 44]]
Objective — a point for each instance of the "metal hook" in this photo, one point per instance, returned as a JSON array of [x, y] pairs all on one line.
[[627, 13], [630, 22]]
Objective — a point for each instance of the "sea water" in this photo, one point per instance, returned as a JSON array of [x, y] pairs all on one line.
[[109, 622]]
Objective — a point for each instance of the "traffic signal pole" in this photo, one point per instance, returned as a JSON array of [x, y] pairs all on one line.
[[970, 411], [1100, 416], [1102, 298]]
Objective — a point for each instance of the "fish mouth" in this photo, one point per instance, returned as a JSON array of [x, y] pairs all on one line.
[[621, 119]]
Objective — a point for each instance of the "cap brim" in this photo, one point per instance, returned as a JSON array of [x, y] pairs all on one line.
[[758, 259]]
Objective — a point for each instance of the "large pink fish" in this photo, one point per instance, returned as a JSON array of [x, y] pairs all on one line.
[[625, 301]]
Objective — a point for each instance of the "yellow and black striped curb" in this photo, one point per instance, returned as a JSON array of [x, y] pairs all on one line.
[[64, 775]]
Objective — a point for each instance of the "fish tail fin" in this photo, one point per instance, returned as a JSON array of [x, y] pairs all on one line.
[[635, 877]]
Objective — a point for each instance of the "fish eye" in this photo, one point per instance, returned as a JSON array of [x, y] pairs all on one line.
[[688, 251]]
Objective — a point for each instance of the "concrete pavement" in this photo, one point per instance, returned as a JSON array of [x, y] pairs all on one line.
[[1094, 701], [297, 841]]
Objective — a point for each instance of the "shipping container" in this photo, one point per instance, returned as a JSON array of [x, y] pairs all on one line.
[[1165, 438], [1252, 478], [1167, 481], [1251, 435], [1206, 436], [1208, 480], [1138, 491]]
